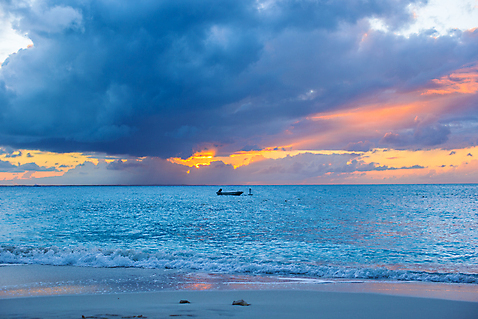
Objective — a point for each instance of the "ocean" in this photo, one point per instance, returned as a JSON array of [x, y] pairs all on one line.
[[426, 233]]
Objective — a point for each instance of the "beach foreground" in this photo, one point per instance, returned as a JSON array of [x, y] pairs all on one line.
[[39, 291], [218, 304]]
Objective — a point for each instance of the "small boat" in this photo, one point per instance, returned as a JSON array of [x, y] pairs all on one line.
[[220, 192]]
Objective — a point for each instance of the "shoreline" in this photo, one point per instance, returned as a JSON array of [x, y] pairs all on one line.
[[33, 280], [38, 291]]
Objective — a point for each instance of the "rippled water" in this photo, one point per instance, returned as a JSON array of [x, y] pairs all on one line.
[[404, 232]]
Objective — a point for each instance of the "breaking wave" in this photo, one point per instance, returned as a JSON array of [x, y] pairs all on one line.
[[189, 261]]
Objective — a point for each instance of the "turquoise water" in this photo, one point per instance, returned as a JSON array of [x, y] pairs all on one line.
[[394, 232]]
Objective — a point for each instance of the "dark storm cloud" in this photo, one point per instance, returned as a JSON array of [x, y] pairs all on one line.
[[428, 135], [150, 171], [162, 78], [361, 146]]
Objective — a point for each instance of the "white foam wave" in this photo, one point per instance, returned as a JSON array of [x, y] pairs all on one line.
[[113, 258]]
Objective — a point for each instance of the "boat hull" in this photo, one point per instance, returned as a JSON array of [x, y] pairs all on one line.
[[230, 193]]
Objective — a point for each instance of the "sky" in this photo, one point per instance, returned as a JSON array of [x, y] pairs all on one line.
[[109, 92]]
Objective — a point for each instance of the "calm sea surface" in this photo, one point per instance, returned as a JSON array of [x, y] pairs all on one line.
[[399, 232]]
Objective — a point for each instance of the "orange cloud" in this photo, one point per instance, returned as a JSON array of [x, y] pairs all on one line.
[[198, 159], [50, 164], [243, 158], [371, 117], [463, 81], [24, 176], [439, 166], [205, 158]]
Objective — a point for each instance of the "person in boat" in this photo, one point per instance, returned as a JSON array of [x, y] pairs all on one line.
[[220, 190]]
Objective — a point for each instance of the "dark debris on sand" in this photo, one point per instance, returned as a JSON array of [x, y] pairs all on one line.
[[240, 303]]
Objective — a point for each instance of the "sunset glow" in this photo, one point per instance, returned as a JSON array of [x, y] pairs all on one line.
[[244, 158], [464, 81]]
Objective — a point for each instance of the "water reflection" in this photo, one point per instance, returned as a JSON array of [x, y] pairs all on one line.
[[50, 291]]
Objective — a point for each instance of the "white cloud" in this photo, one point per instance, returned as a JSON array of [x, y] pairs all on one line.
[[53, 19], [440, 15], [10, 40]]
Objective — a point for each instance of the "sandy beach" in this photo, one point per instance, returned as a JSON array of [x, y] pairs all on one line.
[[218, 304], [35, 291]]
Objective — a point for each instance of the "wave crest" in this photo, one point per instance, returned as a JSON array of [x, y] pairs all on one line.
[[188, 261]]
